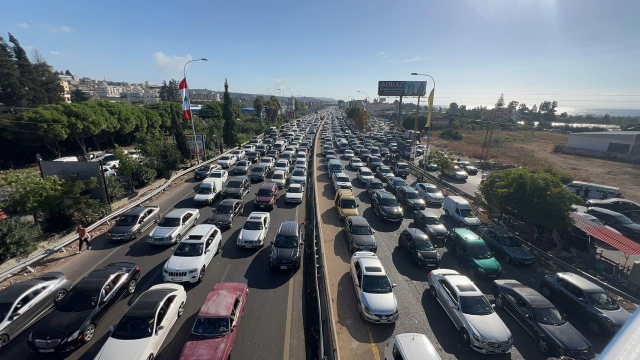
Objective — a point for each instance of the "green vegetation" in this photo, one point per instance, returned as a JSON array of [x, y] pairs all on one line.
[[451, 134], [258, 105], [114, 188], [356, 114], [440, 158], [17, 238], [229, 131]]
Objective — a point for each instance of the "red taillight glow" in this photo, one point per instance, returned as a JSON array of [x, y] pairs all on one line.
[[137, 268], [429, 274]]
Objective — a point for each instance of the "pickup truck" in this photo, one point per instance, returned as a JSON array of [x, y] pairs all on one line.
[[208, 190], [402, 169]]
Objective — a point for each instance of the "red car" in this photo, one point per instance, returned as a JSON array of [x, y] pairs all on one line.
[[267, 196], [215, 328]]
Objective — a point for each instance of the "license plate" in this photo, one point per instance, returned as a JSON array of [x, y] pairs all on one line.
[[528, 262], [46, 350], [492, 276], [384, 320], [176, 279], [283, 267], [261, 205]]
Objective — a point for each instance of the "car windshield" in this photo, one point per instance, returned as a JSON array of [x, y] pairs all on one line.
[[548, 316], [226, 157], [78, 301], [376, 284], [243, 163], [432, 190], [398, 183], [342, 179], [265, 161], [4, 309], [348, 204], [603, 301], [466, 213], [133, 327], [234, 184], [295, 190], [205, 190], [277, 176], [217, 174], [283, 241], [431, 220], [298, 172], [211, 326], [410, 195], [366, 173], [169, 222], [403, 166], [388, 202], [265, 192], [257, 170], [385, 170], [127, 220], [423, 245], [361, 230], [375, 185], [188, 249], [253, 225], [479, 250], [475, 305], [510, 241], [204, 168], [224, 209]]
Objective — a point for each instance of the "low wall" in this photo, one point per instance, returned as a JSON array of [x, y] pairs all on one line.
[[634, 159]]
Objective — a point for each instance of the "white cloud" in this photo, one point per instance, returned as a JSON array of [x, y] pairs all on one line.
[[171, 65], [382, 54], [52, 28], [280, 84], [23, 25], [55, 53], [411, 60]]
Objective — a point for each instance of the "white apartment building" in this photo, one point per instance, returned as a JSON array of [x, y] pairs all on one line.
[[151, 93]]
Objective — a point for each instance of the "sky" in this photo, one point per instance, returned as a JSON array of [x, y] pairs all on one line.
[[582, 53]]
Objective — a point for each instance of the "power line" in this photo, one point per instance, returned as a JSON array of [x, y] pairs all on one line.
[[498, 94]]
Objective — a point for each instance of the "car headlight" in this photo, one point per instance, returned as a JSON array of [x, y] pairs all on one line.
[[420, 256], [127, 234], [481, 270], [192, 271], [168, 237], [366, 310], [478, 339], [74, 335], [165, 271]]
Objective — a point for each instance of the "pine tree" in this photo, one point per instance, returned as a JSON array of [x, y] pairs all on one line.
[[500, 102], [11, 92], [66, 72], [229, 130]]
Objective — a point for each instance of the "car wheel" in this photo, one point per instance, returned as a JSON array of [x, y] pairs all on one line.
[[59, 296], [181, 309], [4, 340], [157, 219], [132, 287], [464, 336], [595, 326], [542, 345], [432, 291], [499, 301], [507, 258], [219, 248], [201, 274], [446, 212], [546, 291], [88, 333], [151, 357]]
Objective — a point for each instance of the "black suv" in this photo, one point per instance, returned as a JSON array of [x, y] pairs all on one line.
[[410, 199], [419, 247], [237, 188], [374, 185], [617, 221], [622, 206], [386, 206], [286, 249]]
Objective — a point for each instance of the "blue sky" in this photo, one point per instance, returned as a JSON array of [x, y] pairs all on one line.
[[573, 51]]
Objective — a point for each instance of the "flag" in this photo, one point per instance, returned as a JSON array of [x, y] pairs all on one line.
[[430, 103], [184, 93]]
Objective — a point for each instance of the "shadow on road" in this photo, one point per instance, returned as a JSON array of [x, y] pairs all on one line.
[[406, 266], [141, 248], [230, 249], [172, 349], [260, 276], [380, 225]]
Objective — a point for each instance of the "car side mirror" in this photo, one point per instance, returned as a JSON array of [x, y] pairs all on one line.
[[271, 242], [173, 249], [14, 316], [393, 285], [111, 328]]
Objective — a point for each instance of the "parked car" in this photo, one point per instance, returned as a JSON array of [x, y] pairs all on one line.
[[226, 161], [508, 246], [258, 173], [73, 321], [402, 170], [374, 185], [430, 223], [225, 212], [617, 221], [237, 187], [467, 167], [374, 291], [283, 165], [384, 172], [355, 163], [622, 206], [242, 167], [300, 164], [268, 162], [364, 174], [286, 249], [359, 234], [215, 329], [298, 176], [374, 162], [473, 253], [171, 228], [267, 196], [430, 193], [253, 156], [204, 171], [194, 253], [24, 302], [254, 230], [346, 204], [588, 301], [295, 194], [140, 333], [134, 222], [479, 326], [394, 183], [410, 346], [553, 335], [419, 247], [386, 206], [410, 199], [279, 178], [457, 173]]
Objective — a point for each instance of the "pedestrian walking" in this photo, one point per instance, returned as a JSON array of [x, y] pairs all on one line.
[[83, 237]]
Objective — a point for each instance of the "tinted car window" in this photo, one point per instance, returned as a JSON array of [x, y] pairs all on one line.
[[378, 284], [603, 301], [475, 305], [133, 327]]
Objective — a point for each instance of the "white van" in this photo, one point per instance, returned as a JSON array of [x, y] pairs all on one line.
[[593, 191], [460, 210], [208, 191], [279, 145], [343, 145]]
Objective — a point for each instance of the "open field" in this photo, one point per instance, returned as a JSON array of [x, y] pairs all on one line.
[[534, 150]]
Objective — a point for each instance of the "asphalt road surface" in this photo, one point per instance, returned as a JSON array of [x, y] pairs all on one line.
[[272, 323], [419, 313]]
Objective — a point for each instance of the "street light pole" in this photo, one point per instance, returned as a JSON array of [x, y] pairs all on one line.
[[424, 157], [193, 126]]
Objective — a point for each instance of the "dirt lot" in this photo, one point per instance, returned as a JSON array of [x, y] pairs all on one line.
[[534, 150]]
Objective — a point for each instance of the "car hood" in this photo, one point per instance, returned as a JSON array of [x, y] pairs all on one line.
[[436, 196], [182, 263], [198, 197], [566, 335], [619, 316], [198, 348], [162, 231], [380, 303], [297, 178], [471, 221], [364, 240], [201, 173], [115, 349], [519, 252], [350, 212], [487, 264], [251, 235], [391, 209], [489, 327], [220, 217], [294, 195], [429, 254], [284, 253], [264, 198], [437, 229], [416, 201], [61, 325], [121, 229]]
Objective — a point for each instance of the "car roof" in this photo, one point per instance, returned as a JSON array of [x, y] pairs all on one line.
[[532, 297], [240, 178], [229, 201], [579, 281], [416, 233], [358, 220], [96, 279], [257, 215], [385, 194], [408, 188], [288, 228], [603, 211], [462, 280], [220, 300], [200, 230], [371, 266], [375, 180], [14, 291], [429, 213], [416, 346], [149, 302], [136, 210], [177, 213], [268, 185], [466, 233]]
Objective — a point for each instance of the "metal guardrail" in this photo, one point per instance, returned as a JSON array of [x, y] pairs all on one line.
[[55, 248]]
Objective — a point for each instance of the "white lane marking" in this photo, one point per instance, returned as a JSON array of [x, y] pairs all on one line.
[[287, 331], [224, 275], [96, 265]]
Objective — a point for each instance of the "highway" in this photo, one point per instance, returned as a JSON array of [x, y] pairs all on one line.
[[419, 313], [272, 323]]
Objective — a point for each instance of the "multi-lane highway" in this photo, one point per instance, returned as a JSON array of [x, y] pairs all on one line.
[[272, 324], [419, 313]]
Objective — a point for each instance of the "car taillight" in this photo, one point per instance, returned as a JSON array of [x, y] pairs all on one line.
[[429, 274], [66, 278], [137, 268]]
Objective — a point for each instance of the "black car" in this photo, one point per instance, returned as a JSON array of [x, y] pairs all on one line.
[[360, 234], [204, 171], [410, 199], [262, 149], [365, 154], [374, 162], [237, 188], [226, 211], [622, 206], [73, 321], [395, 183], [419, 247], [258, 173], [506, 245], [23, 302], [286, 249], [273, 154], [430, 223], [386, 206], [374, 185], [253, 156], [617, 221], [553, 334]]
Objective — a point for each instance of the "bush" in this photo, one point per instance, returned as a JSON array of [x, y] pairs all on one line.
[[143, 174], [114, 188], [243, 138], [17, 238], [451, 134], [564, 177]]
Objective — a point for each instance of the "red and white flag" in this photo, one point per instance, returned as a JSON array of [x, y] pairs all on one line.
[[184, 93]]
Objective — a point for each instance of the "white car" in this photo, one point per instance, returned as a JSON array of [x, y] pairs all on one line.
[[479, 326], [300, 164], [240, 154], [279, 178], [457, 173], [341, 181], [223, 175], [171, 228], [299, 176], [355, 163], [268, 163], [330, 154], [365, 174], [282, 165], [144, 327], [192, 256], [226, 161], [430, 193], [410, 346], [295, 193], [376, 301], [348, 154], [254, 230], [249, 147]]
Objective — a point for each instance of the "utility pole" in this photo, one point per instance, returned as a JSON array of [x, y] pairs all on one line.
[[193, 126]]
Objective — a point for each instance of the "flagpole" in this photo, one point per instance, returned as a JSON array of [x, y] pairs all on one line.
[[424, 157], [193, 125]]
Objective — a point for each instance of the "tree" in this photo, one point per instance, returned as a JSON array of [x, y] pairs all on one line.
[[178, 131], [67, 72], [211, 111], [83, 123], [451, 134], [229, 132], [500, 102], [162, 153], [273, 107], [258, 105], [17, 238], [537, 197], [453, 107], [513, 105], [523, 109], [169, 91], [46, 125], [127, 164], [441, 160], [78, 95], [357, 115], [11, 92], [47, 82]]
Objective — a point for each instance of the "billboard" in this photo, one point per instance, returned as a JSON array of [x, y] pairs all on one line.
[[84, 169], [192, 145], [402, 88]]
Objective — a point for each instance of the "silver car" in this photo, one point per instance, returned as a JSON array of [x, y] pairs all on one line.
[[479, 326], [376, 301], [175, 224], [430, 193], [134, 222]]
